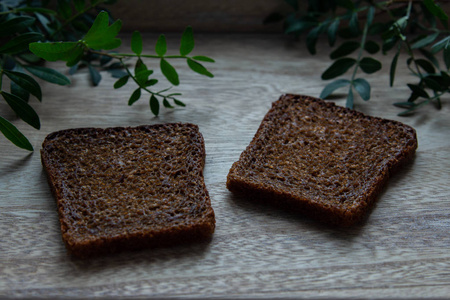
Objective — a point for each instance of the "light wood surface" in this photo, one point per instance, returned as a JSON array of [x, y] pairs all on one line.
[[400, 251]]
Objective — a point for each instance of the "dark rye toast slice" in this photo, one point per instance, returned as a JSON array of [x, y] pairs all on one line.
[[328, 162], [128, 188]]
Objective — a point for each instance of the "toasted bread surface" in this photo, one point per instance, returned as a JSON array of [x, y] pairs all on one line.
[[128, 187], [326, 161]]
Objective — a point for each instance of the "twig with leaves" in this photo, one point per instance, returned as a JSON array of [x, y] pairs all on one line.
[[412, 26]]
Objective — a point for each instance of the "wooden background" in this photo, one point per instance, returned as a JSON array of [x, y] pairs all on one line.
[[401, 250]]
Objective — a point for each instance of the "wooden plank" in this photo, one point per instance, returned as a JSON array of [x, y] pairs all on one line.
[[401, 250]]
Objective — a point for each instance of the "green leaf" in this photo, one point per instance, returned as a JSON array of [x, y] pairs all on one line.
[[312, 37], [432, 84], [121, 82], [136, 43], [430, 56], [362, 87], [20, 43], [96, 77], [161, 45], [349, 102], [22, 109], [299, 25], [203, 58], [444, 43], [338, 68], [369, 65], [435, 10], [141, 72], [353, 23], [370, 15], [26, 82], [425, 41], [101, 35], [187, 41], [79, 5], [154, 105], [332, 32], [19, 92], [167, 104], [48, 74], [345, 49], [371, 47], [331, 87], [134, 96], [198, 68], [178, 102], [169, 72], [54, 51], [151, 82], [393, 68], [425, 65], [419, 91], [404, 104], [15, 25], [14, 135]]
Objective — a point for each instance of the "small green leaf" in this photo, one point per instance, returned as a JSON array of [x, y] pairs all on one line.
[[312, 37], [48, 74], [430, 56], [154, 105], [26, 82], [298, 26], [198, 68], [370, 15], [435, 10], [136, 43], [404, 104], [53, 51], [419, 91], [121, 82], [332, 32], [444, 43], [425, 65], [362, 87], [14, 135], [161, 45], [371, 47], [101, 35], [432, 84], [349, 102], [15, 25], [425, 41], [187, 41], [151, 82], [22, 109], [331, 87], [393, 68], [96, 77], [178, 102], [169, 72], [369, 65], [19, 92], [20, 43], [353, 23], [134, 96], [203, 58], [345, 49], [167, 104], [338, 68]]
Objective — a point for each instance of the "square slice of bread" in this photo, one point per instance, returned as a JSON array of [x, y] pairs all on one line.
[[326, 161], [128, 188]]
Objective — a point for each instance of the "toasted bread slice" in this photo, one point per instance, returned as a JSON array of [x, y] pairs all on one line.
[[128, 188], [326, 161]]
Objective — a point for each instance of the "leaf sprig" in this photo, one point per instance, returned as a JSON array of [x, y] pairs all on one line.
[[418, 29], [74, 34]]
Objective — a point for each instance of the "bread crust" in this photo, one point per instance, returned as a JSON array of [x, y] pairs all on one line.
[[127, 188], [325, 161]]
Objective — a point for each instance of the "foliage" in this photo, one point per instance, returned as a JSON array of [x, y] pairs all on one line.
[[418, 29], [82, 34]]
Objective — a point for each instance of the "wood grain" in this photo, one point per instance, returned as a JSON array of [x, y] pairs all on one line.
[[400, 251]]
